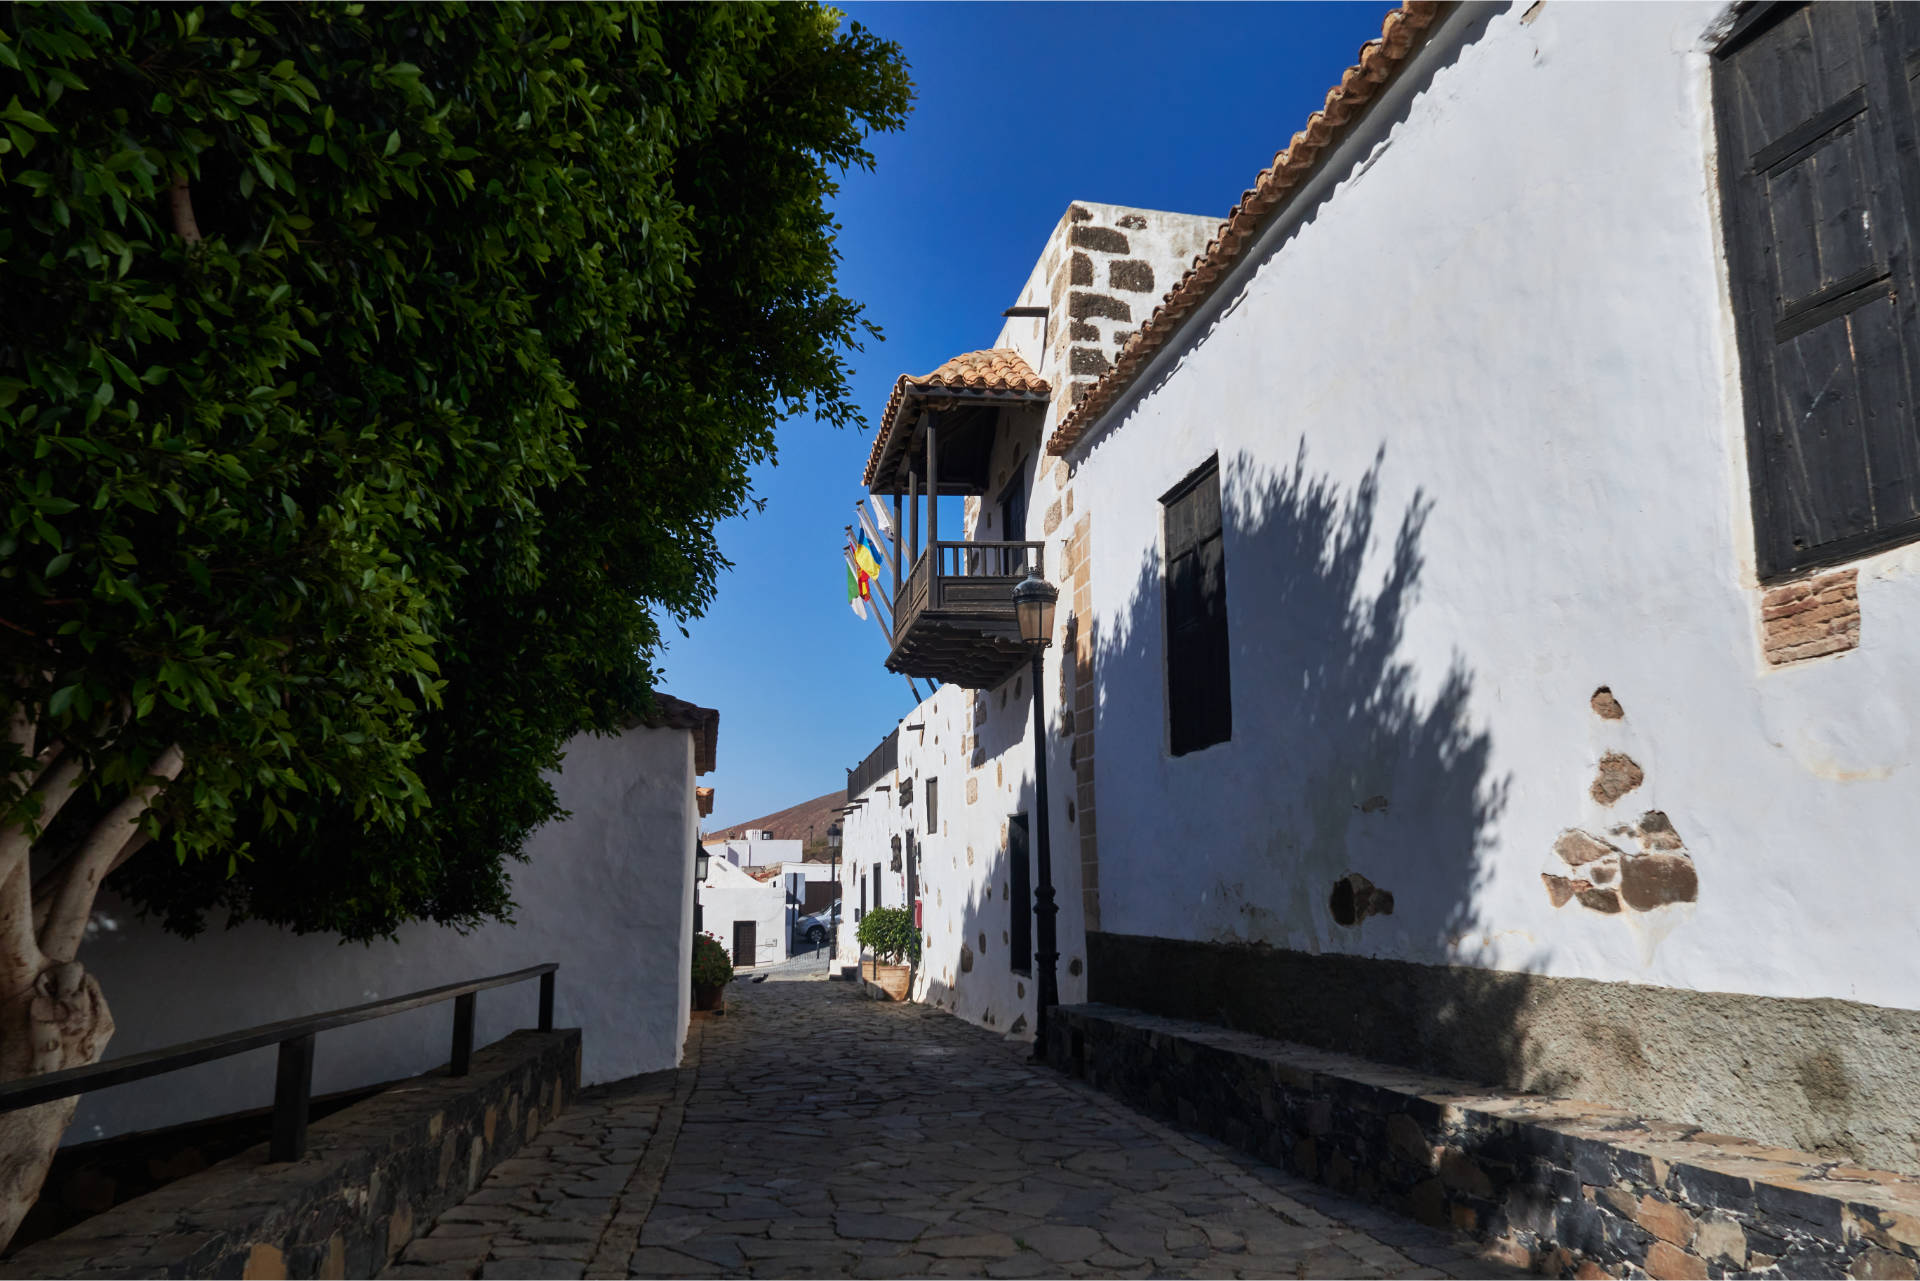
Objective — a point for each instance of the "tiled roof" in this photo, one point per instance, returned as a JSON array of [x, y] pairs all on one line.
[[998, 369], [676, 713], [1379, 61]]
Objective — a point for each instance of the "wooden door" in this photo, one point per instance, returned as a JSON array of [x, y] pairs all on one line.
[[743, 944]]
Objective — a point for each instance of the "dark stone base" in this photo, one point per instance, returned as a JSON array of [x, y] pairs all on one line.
[[1836, 1078], [373, 1174], [1559, 1185]]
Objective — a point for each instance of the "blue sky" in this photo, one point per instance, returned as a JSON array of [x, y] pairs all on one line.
[[1021, 109]]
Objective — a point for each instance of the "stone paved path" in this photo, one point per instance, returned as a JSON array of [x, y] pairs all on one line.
[[814, 1133]]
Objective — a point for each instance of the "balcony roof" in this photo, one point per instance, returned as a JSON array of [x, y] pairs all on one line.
[[998, 376]]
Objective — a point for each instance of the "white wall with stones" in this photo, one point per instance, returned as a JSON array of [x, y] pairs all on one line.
[[607, 893], [1476, 403]]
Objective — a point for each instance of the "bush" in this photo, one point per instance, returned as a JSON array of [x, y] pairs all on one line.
[[889, 933], [711, 968]]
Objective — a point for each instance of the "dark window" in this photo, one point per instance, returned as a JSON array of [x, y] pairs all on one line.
[[1199, 693], [1013, 510], [1020, 959], [913, 870], [862, 909], [1820, 193], [876, 885], [933, 806]]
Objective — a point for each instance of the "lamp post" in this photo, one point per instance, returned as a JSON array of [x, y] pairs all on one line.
[[1033, 601]]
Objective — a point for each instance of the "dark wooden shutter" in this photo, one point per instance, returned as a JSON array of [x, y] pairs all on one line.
[[933, 807], [1020, 877], [1818, 177], [1199, 685]]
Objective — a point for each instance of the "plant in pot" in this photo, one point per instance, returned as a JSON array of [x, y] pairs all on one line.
[[889, 933], [712, 971]]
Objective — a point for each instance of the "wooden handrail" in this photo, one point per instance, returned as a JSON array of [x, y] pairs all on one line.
[[294, 1081]]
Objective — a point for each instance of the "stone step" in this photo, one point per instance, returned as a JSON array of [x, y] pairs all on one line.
[[1563, 1186]]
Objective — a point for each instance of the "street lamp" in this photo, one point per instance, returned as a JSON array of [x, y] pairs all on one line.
[[700, 861], [1033, 601]]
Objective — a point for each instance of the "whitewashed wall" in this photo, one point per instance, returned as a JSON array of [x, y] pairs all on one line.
[[1476, 403], [730, 896], [608, 894]]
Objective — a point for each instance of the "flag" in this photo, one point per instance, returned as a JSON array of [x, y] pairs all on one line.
[[880, 515], [859, 569], [853, 593], [865, 557]]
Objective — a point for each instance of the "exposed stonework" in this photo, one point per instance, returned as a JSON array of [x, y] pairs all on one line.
[[1078, 572], [1654, 880], [1051, 521], [1606, 706], [1810, 618], [1081, 270], [1618, 775], [1082, 305], [1577, 848], [1087, 360], [1104, 239], [1131, 275]]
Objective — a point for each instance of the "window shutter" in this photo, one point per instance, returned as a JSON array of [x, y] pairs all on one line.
[[1199, 690], [1817, 167]]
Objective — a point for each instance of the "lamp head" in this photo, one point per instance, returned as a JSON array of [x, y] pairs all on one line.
[[1033, 601], [701, 860]]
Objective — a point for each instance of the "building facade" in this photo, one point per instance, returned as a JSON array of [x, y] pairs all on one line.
[[1485, 574]]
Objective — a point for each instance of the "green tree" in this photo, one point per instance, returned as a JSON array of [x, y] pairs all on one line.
[[368, 375]]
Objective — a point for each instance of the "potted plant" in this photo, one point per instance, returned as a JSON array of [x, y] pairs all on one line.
[[712, 971], [889, 933]]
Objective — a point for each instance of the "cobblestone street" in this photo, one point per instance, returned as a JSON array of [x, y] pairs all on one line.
[[814, 1133]]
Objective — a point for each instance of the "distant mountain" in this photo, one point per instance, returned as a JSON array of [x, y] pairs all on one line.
[[808, 821]]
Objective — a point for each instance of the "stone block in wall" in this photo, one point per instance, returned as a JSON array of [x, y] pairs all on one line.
[[1102, 239], [1130, 274], [1082, 305], [1811, 618], [372, 1175]]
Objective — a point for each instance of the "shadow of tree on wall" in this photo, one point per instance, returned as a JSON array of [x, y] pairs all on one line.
[[1348, 817]]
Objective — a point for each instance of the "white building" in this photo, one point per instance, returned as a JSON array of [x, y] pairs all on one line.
[[755, 849], [746, 909], [945, 815], [607, 893], [1487, 584]]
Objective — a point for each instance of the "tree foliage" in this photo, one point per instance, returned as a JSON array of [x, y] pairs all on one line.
[[889, 933], [368, 376]]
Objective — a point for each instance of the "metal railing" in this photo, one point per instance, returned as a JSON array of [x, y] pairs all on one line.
[[293, 1081]]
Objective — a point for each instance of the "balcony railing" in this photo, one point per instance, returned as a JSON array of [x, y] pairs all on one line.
[[954, 620]]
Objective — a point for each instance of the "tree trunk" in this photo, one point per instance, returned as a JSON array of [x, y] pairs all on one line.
[[59, 1021]]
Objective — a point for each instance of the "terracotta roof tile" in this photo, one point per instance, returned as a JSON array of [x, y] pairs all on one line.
[[997, 369], [1379, 61], [704, 795]]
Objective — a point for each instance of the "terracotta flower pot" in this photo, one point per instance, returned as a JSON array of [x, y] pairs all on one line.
[[891, 979], [707, 998]]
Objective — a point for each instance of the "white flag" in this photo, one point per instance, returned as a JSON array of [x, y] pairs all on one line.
[[880, 514]]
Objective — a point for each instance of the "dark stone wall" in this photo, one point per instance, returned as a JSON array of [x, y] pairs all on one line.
[[373, 1174], [1563, 1187], [1836, 1078]]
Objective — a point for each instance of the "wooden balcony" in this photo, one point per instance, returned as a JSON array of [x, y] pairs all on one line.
[[954, 620]]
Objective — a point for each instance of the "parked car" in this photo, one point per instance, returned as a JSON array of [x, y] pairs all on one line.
[[813, 929]]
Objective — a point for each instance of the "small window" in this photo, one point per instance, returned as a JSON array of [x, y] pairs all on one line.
[[1199, 691], [933, 805], [1815, 114]]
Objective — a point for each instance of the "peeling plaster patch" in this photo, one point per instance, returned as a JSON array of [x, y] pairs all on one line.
[[1354, 899], [1073, 967], [1373, 804], [1606, 706], [1655, 880], [1618, 775]]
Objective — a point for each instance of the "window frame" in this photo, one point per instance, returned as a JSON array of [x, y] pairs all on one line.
[[1176, 744]]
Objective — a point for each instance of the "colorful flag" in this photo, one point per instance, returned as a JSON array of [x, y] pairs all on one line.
[[865, 557], [853, 560], [853, 593]]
